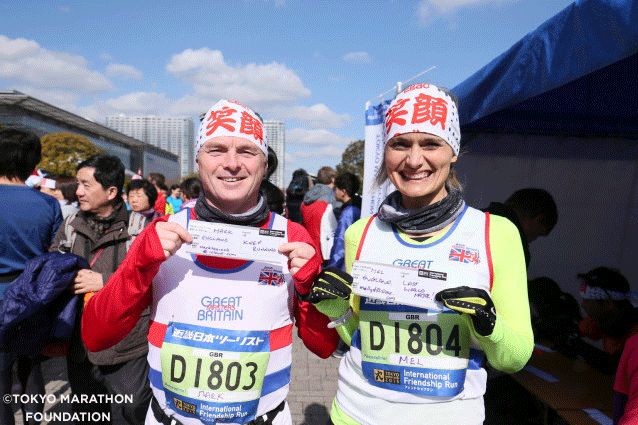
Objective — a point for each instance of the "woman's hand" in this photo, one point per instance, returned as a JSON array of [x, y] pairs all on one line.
[[475, 302], [330, 284]]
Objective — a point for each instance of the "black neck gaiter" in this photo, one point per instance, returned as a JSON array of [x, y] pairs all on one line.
[[253, 217], [423, 220]]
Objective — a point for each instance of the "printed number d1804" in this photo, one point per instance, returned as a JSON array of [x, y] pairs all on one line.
[[432, 338]]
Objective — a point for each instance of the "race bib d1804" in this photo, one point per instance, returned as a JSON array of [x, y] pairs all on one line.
[[414, 350]]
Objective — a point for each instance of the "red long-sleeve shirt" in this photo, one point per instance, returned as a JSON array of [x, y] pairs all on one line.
[[114, 310]]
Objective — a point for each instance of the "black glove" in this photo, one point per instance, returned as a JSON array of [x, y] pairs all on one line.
[[330, 284], [475, 302]]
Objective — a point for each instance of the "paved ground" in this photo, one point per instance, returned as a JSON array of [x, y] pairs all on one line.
[[313, 386]]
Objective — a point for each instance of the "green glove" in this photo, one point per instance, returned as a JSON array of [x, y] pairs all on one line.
[[475, 302], [332, 283]]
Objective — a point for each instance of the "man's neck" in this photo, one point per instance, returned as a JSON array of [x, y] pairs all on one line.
[[13, 181], [234, 208], [105, 211]]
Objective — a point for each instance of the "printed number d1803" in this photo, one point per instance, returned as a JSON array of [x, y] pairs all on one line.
[[216, 376]]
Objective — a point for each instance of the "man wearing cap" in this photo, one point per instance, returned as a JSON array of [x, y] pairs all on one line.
[[221, 329], [610, 315]]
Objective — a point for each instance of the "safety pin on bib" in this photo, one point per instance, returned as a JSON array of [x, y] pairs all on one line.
[[342, 320]]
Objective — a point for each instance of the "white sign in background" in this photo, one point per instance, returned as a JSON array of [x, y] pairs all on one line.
[[373, 160]]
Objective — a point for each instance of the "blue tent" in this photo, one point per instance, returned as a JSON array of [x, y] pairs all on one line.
[[576, 74], [559, 111]]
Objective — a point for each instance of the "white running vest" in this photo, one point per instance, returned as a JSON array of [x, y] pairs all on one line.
[[410, 355], [220, 344]]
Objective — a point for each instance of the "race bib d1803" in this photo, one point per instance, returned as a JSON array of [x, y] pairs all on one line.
[[215, 375]]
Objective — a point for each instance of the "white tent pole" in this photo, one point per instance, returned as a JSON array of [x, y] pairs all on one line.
[[397, 87]]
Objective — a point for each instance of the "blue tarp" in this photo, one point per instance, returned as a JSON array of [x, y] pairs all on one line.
[[577, 73]]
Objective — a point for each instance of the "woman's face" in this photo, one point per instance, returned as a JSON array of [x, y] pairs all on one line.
[[418, 165], [137, 200]]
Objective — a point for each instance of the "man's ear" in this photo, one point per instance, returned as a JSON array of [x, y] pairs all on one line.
[[112, 192]]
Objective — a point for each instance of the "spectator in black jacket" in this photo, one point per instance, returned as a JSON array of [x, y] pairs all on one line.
[[533, 211]]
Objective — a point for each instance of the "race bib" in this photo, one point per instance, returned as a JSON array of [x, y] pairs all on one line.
[[413, 350], [215, 375]]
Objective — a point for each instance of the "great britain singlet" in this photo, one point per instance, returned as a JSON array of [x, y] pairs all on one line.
[[220, 343], [410, 355]]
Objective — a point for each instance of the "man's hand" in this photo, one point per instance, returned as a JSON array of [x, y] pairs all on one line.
[[298, 254], [330, 284], [171, 236], [87, 281], [475, 302]]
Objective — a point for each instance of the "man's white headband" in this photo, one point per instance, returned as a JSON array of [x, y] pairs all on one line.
[[48, 183], [588, 292], [424, 108], [227, 118]]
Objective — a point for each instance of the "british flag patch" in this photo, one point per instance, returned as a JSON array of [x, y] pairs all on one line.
[[271, 277], [462, 254]]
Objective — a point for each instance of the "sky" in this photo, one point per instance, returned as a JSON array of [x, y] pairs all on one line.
[[312, 64]]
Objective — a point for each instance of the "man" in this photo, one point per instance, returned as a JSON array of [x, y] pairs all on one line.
[[101, 232], [346, 186], [318, 211], [221, 328], [29, 221], [533, 211], [295, 192], [610, 317]]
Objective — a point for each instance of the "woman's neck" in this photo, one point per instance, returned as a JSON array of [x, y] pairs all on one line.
[[436, 232]]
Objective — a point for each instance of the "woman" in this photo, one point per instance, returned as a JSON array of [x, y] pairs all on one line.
[[141, 195], [175, 198], [63, 189], [191, 189], [408, 365]]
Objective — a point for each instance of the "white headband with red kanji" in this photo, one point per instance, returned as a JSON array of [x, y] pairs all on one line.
[[226, 118], [424, 108], [588, 292]]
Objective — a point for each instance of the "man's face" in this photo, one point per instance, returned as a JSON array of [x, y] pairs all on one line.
[[231, 169], [91, 195], [533, 228]]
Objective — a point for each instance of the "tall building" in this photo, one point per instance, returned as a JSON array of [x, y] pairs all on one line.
[[276, 132], [174, 134]]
